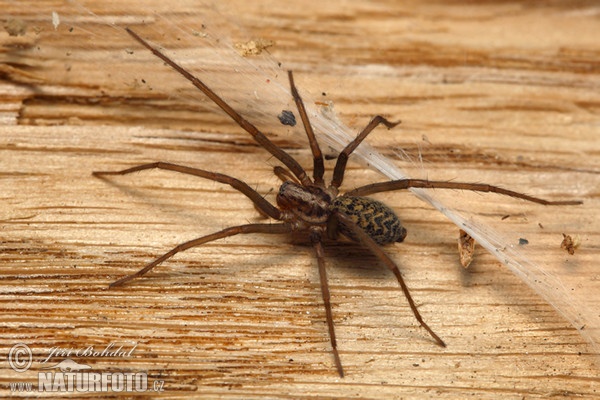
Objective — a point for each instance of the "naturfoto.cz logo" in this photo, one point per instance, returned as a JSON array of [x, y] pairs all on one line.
[[68, 375]]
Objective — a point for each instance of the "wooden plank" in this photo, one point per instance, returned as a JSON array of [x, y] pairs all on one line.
[[487, 93]]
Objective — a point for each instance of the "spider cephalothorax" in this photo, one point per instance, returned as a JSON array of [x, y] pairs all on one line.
[[308, 205]]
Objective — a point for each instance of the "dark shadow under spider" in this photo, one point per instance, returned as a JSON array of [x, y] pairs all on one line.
[[311, 207]]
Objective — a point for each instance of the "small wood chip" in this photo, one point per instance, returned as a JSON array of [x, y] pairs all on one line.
[[466, 248], [569, 243], [253, 47]]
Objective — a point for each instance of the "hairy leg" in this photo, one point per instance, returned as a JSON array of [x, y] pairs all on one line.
[[477, 187], [340, 165], [260, 138], [234, 230], [326, 300], [261, 204], [318, 164], [375, 249]]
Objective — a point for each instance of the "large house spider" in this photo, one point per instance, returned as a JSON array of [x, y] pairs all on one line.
[[309, 205]]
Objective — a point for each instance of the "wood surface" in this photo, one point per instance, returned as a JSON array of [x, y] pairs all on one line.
[[505, 93]]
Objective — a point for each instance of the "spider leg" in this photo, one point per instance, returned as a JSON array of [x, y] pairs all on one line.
[[231, 231], [261, 204], [375, 249], [326, 299], [319, 167], [340, 165], [258, 136], [284, 175], [476, 187]]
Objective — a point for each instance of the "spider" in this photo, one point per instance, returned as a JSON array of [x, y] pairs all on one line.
[[310, 206]]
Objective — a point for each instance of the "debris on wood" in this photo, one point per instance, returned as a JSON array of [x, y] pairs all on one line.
[[569, 243], [253, 47], [466, 248]]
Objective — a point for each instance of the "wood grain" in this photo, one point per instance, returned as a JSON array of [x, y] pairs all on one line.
[[504, 93]]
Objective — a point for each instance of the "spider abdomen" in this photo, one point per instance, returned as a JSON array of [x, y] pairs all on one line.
[[378, 221]]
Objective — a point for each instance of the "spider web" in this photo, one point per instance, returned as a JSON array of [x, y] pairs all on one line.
[[206, 47]]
